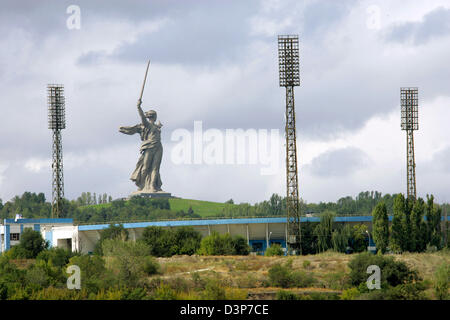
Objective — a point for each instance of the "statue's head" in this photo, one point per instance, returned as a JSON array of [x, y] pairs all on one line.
[[151, 115]]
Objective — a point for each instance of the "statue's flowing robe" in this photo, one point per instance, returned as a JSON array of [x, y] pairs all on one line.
[[146, 175]]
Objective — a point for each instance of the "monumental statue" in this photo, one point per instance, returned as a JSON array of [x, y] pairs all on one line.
[[146, 175]]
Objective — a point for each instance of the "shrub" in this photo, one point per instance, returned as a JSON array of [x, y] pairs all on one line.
[[241, 246], [30, 245], [408, 291], [441, 281], [286, 295], [57, 257], [302, 279], [213, 291], [164, 292], [150, 266], [282, 276], [94, 275], [134, 294], [44, 274], [216, 244], [112, 232], [350, 294], [393, 272], [16, 252], [235, 294], [130, 260], [169, 242], [187, 240], [9, 273], [338, 280], [274, 250], [37, 276], [321, 296], [161, 242], [307, 264], [52, 293]]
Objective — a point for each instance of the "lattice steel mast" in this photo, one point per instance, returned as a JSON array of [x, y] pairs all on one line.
[[410, 122], [288, 59], [56, 122]]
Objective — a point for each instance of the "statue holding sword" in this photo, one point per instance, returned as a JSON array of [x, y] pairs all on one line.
[[146, 175]]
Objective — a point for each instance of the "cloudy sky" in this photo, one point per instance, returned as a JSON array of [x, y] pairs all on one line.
[[216, 62]]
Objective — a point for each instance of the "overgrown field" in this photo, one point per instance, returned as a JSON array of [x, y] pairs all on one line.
[[329, 272]]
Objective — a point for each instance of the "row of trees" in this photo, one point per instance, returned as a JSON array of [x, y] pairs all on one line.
[[363, 204], [329, 235], [416, 225], [179, 241], [31, 205], [87, 198]]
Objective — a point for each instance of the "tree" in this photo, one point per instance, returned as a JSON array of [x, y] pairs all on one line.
[[359, 239], [433, 214], [406, 224], [216, 244], [380, 223], [341, 237], [162, 242], [324, 231], [240, 246], [131, 260], [169, 242], [187, 240], [112, 232], [308, 239], [32, 243], [418, 233], [93, 272], [393, 272], [398, 235]]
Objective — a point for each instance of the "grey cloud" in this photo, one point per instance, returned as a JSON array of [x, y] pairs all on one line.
[[440, 162], [320, 16], [46, 17], [435, 24], [340, 162], [215, 34], [343, 83]]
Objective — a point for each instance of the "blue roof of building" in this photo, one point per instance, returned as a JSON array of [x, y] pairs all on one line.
[[39, 221], [205, 222]]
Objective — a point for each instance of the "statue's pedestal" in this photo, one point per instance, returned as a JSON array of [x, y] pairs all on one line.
[[148, 194]]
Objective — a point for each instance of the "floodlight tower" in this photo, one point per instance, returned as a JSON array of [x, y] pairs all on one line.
[[288, 59], [410, 122], [56, 122]]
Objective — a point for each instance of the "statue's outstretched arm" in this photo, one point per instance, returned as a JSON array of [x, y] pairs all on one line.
[[141, 114], [130, 130]]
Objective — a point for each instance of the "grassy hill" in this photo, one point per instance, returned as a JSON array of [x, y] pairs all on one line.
[[202, 208], [205, 209]]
